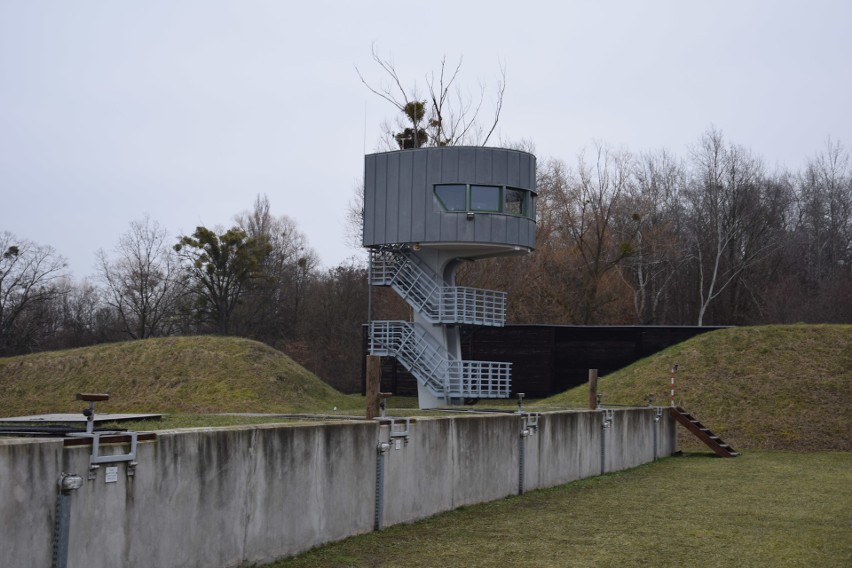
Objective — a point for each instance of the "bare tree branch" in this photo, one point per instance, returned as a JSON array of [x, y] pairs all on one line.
[[452, 118]]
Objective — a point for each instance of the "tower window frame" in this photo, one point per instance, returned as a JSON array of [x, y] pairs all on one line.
[[444, 194]]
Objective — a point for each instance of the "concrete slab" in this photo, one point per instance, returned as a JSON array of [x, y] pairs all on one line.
[[78, 417]]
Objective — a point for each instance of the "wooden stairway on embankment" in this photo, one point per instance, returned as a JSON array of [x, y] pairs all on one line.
[[703, 433]]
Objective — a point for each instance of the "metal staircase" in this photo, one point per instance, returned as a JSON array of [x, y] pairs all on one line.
[[444, 375], [423, 290], [426, 358]]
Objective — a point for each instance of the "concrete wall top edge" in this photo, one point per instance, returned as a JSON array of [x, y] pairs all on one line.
[[327, 424], [265, 426], [29, 441]]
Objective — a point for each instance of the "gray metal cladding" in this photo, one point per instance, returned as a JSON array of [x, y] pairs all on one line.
[[400, 206]]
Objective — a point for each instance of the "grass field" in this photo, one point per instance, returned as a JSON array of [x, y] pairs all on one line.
[[768, 509]]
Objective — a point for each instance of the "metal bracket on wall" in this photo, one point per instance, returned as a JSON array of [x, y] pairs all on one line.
[[608, 417], [399, 431], [96, 458], [658, 413], [400, 428], [529, 424]]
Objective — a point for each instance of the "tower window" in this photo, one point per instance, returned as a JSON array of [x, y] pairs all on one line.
[[460, 197], [514, 201], [485, 198], [452, 196]]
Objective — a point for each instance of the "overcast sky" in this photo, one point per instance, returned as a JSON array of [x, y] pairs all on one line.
[[187, 110]]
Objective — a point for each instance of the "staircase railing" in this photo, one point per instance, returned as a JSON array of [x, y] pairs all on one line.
[[443, 374], [438, 303]]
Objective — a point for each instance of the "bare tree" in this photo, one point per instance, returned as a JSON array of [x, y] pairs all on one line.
[[588, 206], [444, 115], [289, 244], [335, 307], [658, 248], [824, 212], [142, 282], [81, 317], [29, 274], [273, 304], [354, 222], [730, 233]]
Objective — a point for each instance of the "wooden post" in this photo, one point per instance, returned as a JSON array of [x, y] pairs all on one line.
[[593, 388], [374, 381], [672, 399]]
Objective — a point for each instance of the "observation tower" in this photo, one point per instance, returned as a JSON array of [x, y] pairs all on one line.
[[425, 211]]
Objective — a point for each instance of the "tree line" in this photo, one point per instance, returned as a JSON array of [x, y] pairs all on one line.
[[708, 238], [258, 279], [712, 238]]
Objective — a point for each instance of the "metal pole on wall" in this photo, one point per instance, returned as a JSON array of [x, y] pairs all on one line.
[[593, 389], [61, 530], [68, 483], [369, 288], [378, 517], [365, 385]]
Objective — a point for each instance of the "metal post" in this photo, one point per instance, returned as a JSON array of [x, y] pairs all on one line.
[[378, 519], [608, 417], [658, 416], [521, 446], [62, 523], [369, 288], [656, 435], [61, 530]]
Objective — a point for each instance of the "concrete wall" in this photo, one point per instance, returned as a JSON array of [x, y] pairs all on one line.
[[29, 472], [236, 496]]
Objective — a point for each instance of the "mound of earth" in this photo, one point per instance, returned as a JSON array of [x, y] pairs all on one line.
[[165, 375], [786, 387]]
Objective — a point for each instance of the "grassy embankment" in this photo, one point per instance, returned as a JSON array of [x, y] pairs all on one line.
[[784, 387], [177, 376]]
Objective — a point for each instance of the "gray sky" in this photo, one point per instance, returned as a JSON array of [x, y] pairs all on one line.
[[186, 110]]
